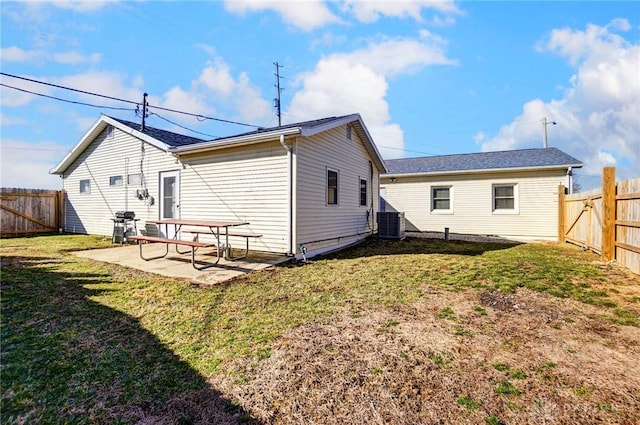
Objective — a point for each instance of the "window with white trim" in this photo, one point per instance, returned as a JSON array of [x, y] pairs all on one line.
[[85, 186], [332, 187], [115, 181], [505, 198], [363, 192], [441, 200]]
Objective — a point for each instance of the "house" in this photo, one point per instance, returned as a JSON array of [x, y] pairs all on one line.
[[310, 186], [512, 194]]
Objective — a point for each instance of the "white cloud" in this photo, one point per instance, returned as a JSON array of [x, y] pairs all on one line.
[[7, 121], [74, 58], [82, 6], [17, 156], [16, 54], [356, 82], [400, 55], [370, 11], [306, 15], [598, 114]]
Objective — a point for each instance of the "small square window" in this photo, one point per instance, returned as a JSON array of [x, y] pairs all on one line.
[[505, 198], [442, 199], [332, 187], [85, 186], [115, 181], [363, 192]]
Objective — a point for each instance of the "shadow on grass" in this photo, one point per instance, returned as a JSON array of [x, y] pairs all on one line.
[[373, 246], [68, 359]]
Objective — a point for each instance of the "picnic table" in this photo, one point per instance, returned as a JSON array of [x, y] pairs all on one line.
[[196, 227]]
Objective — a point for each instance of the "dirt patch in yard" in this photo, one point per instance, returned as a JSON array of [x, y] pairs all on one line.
[[454, 357]]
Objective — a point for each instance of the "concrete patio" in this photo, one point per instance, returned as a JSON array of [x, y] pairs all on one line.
[[177, 265]]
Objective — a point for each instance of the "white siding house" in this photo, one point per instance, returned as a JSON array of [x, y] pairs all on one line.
[[512, 194], [311, 185]]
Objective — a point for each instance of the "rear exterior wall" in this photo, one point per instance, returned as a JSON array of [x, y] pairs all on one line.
[[111, 156], [240, 184], [319, 224], [472, 204]]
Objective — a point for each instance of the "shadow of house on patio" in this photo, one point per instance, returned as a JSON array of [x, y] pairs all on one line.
[[69, 359]]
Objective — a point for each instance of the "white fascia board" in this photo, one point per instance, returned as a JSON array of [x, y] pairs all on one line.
[[90, 136], [313, 130], [85, 141], [235, 141], [482, 171]]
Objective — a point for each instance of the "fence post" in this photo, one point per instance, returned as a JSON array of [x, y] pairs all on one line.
[[609, 212], [561, 214]]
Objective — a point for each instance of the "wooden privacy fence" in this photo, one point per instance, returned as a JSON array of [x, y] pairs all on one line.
[[604, 220], [28, 211]]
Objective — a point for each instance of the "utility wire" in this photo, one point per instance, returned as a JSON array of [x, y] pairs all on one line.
[[181, 126], [198, 116], [75, 102]]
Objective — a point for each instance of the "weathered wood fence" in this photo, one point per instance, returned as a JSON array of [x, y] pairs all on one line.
[[604, 220], [29, 211]]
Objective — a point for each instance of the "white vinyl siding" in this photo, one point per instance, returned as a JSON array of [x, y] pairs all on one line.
[[241, 184], [317, 224], [92, 212], [536, 200]]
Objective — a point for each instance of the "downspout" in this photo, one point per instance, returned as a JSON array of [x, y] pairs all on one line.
[[289, 149], [372, 199], [570, 180]]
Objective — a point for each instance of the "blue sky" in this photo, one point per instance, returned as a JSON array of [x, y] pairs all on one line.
[[428, 77]]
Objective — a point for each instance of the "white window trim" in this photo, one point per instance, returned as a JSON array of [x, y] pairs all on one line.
[[516, 199], [326, 183], [366, 196], [441, 212]]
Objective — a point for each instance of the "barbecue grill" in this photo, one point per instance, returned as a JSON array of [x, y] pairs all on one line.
[[123, 222]]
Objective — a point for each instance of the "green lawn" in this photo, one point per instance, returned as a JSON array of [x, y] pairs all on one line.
[[89, 342]]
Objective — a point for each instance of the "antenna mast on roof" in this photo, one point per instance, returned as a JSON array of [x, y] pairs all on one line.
[[276, 101]]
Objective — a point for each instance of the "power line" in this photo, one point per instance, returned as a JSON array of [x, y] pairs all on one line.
[[199, 116], [181, 126], [75, 102]]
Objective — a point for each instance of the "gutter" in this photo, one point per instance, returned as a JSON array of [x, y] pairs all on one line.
[[235, 141], [480, 171]]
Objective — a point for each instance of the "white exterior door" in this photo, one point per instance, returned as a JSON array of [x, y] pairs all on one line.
[[169, 199]]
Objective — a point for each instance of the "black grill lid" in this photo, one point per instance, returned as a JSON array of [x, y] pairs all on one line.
[[129, 215]]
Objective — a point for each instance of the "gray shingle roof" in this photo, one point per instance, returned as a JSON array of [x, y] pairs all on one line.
[[523, 158], [303, 124], [167, 137]]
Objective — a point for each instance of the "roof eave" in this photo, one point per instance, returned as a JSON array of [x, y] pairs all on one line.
[[88, 138], [234, 141], [483, 171]]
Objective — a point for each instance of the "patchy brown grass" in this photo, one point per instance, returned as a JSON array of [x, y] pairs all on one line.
[[518, 358], [411, 332]]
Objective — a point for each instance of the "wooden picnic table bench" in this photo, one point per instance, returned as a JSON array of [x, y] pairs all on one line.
[[213, 228]]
